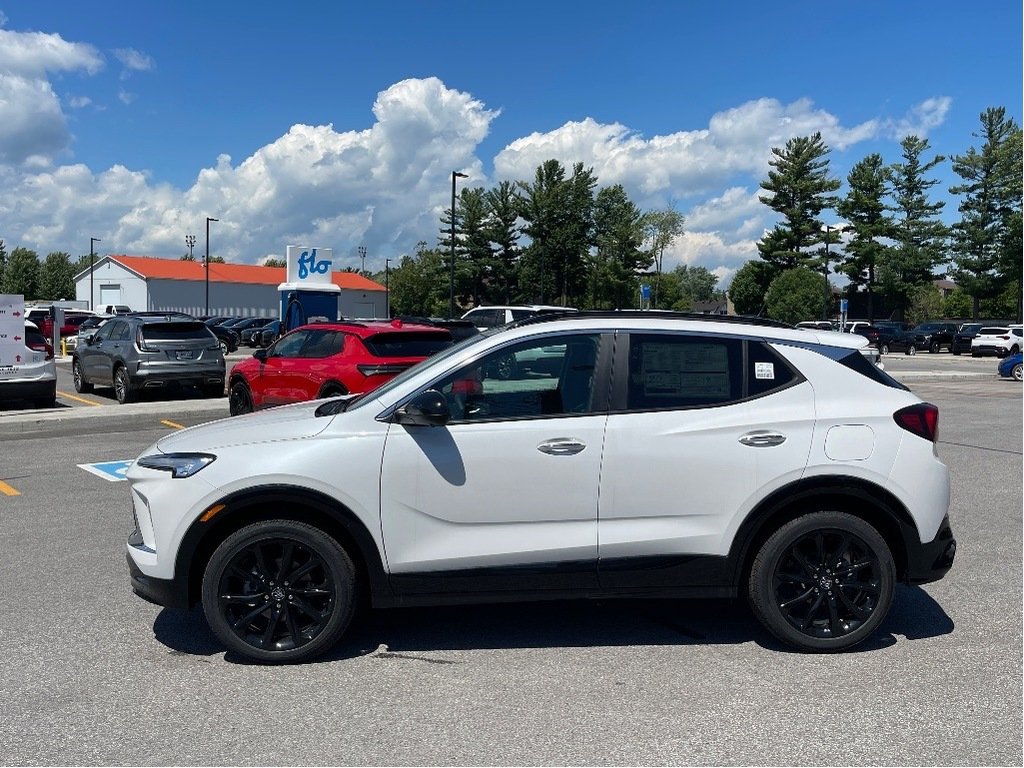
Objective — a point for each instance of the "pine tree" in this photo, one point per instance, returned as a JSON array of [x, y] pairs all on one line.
[[865, 211]]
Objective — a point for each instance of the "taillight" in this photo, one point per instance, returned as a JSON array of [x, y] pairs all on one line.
[[382, 369], [921, 419], [140, 341]]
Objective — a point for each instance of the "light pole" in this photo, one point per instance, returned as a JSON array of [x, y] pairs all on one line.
[[208, 220], [361, 250], [190, 241], [92, 268], [828, 291], [387, 288], [451, 266]]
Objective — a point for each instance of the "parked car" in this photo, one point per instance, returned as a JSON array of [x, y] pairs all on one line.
[[989, 340], [115, 309], [459, 329], [496, 316], [817, 325], [328, 360], [1010, 367], [248, 336], [137, 352], [965, 335], [665, 456], [267, 335], [88, 326], [868, 331], [935, 335], [28, 370], [895, 336], [1010, 344], [72, 320]]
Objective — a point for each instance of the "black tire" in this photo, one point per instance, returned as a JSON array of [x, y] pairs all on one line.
[[823, 582], [279, 591], [935, 347], [955, 351], [239, 399], [332, 390], [883, 349], [224, 347], [81, 385], [123, 385], [911, 350]]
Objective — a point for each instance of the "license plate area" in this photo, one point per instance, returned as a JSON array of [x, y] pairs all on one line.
[[183, 354]]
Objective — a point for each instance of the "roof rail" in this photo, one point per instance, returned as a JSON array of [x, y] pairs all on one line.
[[646, 313]]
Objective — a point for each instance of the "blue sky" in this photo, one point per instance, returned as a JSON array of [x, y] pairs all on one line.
[[338, 124]]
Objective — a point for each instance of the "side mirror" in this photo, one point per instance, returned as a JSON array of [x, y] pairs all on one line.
[[260, 354], [89, 339], [427, 409]]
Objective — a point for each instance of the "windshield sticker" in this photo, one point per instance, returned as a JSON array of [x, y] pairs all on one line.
[[764, 370]]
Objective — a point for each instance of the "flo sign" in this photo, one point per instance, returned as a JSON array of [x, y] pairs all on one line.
[[309, 266]]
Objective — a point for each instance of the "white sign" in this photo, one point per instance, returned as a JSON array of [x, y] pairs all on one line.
[[309, 266], [12, 331]]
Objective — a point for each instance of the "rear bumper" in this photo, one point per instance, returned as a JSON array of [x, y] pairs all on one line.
[[38, 389], [149, 377], [932, 560]]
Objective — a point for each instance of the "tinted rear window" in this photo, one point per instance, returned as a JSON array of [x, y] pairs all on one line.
[[407, 344], [187, 331]]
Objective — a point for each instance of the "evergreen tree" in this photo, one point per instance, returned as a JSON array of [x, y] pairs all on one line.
[[864, 208], [795, 295], [21, 275], [3, 262], [57, 276], [503, 205], [618, 237], [991, 195], [419, 284], [919, 235], [800, 189], [750, 285]]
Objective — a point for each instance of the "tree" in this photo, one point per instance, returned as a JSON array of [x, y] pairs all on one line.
[[475, 262], [865, 211], [21, 274], [57, 276], [503, 204], [661, 228], [797, 294], [926, 303], [3, 261], [749, 286], [419, 285], [991, 195], [272, 262], [919, 235], [618, 237], [800, 190]]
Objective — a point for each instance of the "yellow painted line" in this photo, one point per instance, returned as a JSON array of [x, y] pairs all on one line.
[[167, 423], [77, 399], [6, 490]]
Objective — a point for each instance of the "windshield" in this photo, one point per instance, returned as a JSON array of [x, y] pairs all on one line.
[[401, 378]]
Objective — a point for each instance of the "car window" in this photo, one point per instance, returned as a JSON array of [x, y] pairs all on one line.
[[487, 318], [408, 344], [679, 371], [119, 332], [322, 343], [290, 345], [190, 331], [532, 379]]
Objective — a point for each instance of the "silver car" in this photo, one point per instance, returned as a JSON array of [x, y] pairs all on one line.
[[133, 353]]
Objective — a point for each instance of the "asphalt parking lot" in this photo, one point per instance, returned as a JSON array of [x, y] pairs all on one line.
[[93, 674]]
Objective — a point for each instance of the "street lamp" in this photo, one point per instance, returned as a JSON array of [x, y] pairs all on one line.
[[451, 266], [361, 250], [387, 288], [190, 241], [92, 268], [208, 220]]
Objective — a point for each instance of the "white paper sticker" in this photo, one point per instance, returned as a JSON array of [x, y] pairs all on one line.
[[764, 370]]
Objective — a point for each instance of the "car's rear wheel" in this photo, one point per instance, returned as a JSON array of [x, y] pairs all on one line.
[[332, 390], [823, 582], [883, 349], [1018, 374], [279, 591], [224, 349], [81, 385], [911, 350], [239, 399], [123, 386], [935, 347]]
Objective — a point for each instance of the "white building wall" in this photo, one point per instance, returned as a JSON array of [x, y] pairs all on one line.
[[112, 280]]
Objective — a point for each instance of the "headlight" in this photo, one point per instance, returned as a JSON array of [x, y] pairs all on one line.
[[178, 464]]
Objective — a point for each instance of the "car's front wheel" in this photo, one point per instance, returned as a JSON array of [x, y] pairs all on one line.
[[935, 347], [1018, 374], [239, 399], [823, 582], [911, 350], [279, 591], [123, 386], [81, 385], [883, 349], [224, 348]]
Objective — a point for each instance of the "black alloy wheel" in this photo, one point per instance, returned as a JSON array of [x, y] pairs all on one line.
[[883, 349], [239, 399], [935, 347], [823, 582], [123, 386], [279, 591], [911, 350], [81, 385], [224, 349]]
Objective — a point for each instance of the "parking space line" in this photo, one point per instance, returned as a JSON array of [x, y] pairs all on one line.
[[7, 490], [77, 399], [169, 423]]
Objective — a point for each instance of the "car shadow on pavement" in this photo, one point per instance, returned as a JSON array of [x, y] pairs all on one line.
[[578, 623]]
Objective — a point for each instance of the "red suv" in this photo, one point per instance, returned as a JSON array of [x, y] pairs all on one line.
[[330, 359]]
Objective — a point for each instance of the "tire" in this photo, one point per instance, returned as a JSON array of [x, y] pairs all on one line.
[[81, 385], [911, 350], [279, 591], [239, 399], [123, 386], [883, 349], [823, 582], [955, 351], [332, 390], [1018, 374], [935, 347], [505, 367], [224, 349]]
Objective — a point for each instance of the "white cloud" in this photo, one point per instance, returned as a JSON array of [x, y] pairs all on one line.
[[125, 97], [133, 60], [78, 102], [921, 119]]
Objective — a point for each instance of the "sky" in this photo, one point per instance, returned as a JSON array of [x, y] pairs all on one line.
[[338, 125]]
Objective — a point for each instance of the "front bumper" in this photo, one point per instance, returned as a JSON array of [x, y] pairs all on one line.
[[932, 560], [167, 592]]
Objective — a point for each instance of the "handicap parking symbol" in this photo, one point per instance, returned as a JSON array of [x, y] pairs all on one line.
[[109, 470]]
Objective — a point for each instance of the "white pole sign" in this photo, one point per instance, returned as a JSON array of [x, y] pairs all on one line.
[[309, 266]]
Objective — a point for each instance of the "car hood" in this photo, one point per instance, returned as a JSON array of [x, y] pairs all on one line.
[[288, 422]]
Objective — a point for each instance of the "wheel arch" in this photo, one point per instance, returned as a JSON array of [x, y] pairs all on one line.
[[281, 502], [329, 385], [855, 496]]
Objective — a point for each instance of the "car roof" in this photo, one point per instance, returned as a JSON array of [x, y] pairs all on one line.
[[366, 328]]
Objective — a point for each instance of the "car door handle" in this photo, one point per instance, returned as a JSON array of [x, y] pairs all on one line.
[[562, 446], [762, 439]]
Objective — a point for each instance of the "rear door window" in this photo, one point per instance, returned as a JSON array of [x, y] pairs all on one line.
[[157, 332], [322, 343], [410, 344]]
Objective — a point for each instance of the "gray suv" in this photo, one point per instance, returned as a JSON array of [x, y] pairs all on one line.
[[135, 353]]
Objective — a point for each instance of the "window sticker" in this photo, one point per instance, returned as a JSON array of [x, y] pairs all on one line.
[[764, 370], [690, 370]]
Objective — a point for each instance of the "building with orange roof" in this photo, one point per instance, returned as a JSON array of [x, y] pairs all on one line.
[[145, 283]]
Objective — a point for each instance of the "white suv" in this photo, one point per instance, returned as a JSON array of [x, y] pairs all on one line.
[[494, 317], [650, 455]]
